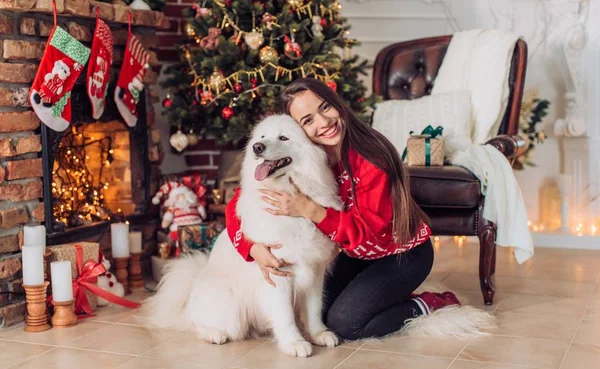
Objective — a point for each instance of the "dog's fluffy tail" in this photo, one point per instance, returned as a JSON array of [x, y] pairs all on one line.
[[452, 321], [165, 308]]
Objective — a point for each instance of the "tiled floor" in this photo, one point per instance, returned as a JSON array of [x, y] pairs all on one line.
[[548, 312]]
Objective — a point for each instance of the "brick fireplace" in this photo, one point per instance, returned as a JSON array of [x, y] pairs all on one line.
[[28, 149]]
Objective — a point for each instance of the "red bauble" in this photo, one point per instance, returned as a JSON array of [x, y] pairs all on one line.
[[361, 99], [228, 3], [253, 82], [332, 85], [167, 103], [227, 112], [238, 88], [323, 22]]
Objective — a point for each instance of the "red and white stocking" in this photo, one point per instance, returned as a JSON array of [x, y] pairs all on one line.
[[130, 85], [61, 64], [99, 68]]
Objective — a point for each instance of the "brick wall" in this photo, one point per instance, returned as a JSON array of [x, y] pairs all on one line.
[[24, 27]]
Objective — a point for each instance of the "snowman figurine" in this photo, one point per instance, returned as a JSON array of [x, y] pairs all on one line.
[[108, 282]]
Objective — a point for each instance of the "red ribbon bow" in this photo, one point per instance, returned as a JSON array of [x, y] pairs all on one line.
[[88, 277], [194, 183]]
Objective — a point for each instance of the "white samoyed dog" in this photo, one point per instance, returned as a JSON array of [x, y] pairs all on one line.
[[224, 298]]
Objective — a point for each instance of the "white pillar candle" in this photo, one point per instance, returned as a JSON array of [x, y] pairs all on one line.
[[62, 281], [34, 235], [33, 264], [135, 242], [119, 235]]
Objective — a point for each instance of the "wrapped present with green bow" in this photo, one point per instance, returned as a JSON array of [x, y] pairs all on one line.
[[425, 149], [199, 236]]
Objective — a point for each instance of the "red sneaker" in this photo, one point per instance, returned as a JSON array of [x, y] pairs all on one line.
[[430, 302]]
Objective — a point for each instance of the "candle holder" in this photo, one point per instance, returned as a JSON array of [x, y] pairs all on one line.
[[121, 273], [37, 319], [135, 271], [64, 315]]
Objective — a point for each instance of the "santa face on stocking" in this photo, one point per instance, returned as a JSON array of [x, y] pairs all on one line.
[[62, 63], [53, 86], [99, 75]]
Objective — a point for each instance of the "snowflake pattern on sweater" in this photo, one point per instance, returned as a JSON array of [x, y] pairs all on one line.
[[364, 234]]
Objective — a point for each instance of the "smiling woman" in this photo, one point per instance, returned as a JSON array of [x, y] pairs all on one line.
[[380, 222]]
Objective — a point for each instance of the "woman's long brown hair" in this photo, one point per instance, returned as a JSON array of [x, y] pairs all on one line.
[[375, 148]]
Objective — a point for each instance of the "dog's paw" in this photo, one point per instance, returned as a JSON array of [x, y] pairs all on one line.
[[297, 348], [214, 336], [326, 339]]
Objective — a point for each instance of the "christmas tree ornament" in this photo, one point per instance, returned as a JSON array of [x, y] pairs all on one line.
[[253, 82], [211, 40], [139, 5], [189, 30], [201, 11], [238, 87], [227, 112], [254, 39], [206, 97], [167, 102], [61, 64], [323, 22], [99, 67], [268, 55], [292, 49], [130, 83], [192, 138], [332, 85], [295, 4], [216, 80], [268, 20], [316, 28], [179, 141]]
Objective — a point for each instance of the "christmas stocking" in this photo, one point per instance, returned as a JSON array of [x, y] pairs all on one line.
[[62, 63], [130, 85], [99, 67]]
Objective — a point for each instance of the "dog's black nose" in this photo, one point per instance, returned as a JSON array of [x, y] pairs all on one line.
[[258, 148]]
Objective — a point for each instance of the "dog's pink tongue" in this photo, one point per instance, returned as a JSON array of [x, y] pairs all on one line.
[[262, 170]]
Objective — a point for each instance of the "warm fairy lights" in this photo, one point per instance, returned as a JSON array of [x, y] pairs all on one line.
[[77, 188]]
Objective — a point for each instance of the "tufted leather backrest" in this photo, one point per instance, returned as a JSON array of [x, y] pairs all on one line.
[[407, 70]]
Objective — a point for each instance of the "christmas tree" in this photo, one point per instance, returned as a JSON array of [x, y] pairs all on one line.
[[241, 54]]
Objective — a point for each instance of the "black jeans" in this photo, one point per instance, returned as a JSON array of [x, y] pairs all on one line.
[[371, 298]]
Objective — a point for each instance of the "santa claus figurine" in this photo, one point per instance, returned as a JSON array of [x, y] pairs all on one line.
[[182, 207]]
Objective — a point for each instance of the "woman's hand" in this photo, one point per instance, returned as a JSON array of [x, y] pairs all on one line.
[[293, 205], [267, 262]]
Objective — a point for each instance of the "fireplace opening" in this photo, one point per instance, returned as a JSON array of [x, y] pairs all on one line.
[[96, 172]]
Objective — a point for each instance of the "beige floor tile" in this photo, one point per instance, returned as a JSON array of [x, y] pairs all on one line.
[[537, 353], [444, 348], [364, 359], [63, 358], [463, 364], [543, 305], [592, 312], [56, 336], [12, 353], [190, 348], [536, 326], [470, 282], [141, 362], [572, 271], [582, 357], [588, 333], [552, 288], [123, 339], [269, 357], [112, 314], [475, 298]]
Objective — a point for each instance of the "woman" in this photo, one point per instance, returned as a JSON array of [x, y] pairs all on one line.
[[383, 233]]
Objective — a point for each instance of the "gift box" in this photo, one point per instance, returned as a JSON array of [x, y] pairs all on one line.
[[199, 236], [426, 149], [91, 251]]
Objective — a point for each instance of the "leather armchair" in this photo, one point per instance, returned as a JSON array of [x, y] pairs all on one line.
[[451, 195]]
